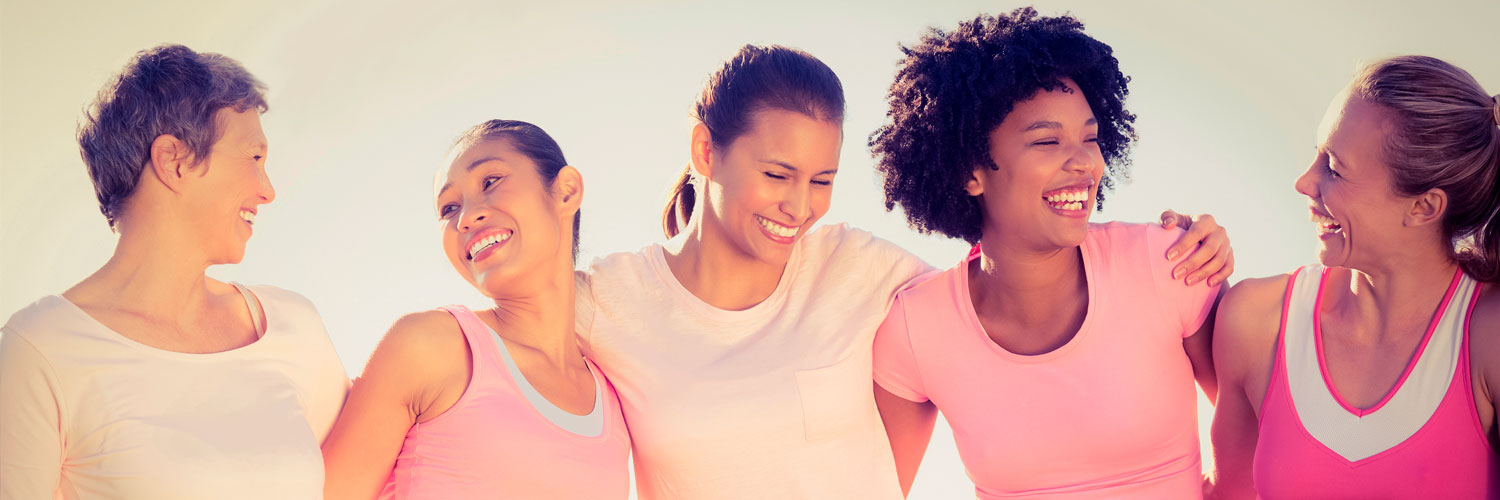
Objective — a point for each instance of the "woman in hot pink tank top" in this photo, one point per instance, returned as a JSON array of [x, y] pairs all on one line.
[[1062, 353], [1376, 374], [497, 403]]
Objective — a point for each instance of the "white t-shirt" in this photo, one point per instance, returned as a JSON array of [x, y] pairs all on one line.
[[775, 401], [90, 414]]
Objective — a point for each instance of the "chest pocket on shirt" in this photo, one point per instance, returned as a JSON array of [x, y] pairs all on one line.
[[835, 397]]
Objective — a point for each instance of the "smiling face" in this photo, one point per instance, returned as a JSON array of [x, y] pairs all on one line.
[[767, 187], [1348, 185], [1047, 151], [501, 225], [232, 187]]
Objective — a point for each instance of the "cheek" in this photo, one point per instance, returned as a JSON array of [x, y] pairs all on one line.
[[745, 194], [450, 246]]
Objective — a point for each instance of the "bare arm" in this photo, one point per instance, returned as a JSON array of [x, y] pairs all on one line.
[[1199, 348], [1484, 360], [1246, 328], [909, 426], [414, 375]]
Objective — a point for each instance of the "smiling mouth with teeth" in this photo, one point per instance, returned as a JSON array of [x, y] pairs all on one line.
[[776, 228], [1068, 199], [248, 216], [1326, 224], [486, 242]]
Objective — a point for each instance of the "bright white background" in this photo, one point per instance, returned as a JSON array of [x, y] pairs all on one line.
[[366, 95]]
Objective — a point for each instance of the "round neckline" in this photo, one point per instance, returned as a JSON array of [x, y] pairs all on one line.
[[971, 315], [656, 255], [184, 356]]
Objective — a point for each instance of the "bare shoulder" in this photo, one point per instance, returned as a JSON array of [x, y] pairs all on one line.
[[424, 349], [1248, 321], [1484, 333], [1254, 302]]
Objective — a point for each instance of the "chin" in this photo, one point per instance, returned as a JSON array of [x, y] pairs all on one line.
[[773, 253]]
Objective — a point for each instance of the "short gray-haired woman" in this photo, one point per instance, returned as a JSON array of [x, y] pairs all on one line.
[[149, 379]]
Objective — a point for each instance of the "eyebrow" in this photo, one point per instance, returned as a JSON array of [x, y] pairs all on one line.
[[471, 168], [1051, 124], [793, 168], [1333, 156]]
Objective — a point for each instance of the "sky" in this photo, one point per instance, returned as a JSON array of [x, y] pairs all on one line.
[[365, 97]]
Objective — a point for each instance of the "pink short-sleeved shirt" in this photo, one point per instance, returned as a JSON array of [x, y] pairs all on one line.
[[1110, 414]]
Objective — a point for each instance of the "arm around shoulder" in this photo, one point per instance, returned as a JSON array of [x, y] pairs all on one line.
[[414, 374]]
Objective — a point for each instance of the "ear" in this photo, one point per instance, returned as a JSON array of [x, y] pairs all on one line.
[[170, 161], [974, 186], [567, 189], [1427, 208], [701, 149]]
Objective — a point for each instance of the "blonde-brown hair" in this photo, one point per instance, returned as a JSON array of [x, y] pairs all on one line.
[[1443, 134]]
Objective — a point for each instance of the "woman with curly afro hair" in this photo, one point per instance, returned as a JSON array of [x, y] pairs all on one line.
[[741, 345], [1062, 353]]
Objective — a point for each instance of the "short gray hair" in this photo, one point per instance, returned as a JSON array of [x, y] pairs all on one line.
[[167, 89]]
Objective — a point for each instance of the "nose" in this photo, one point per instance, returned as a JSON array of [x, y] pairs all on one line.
[[1307, 183], [472, 217], [797, 203], [1082, 159], [267, 191]]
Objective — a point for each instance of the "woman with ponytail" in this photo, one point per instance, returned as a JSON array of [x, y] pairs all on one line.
[[1376, 372], [497, 402], [741, 346]]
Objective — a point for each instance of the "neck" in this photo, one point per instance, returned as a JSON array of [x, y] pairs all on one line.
[[717, 272], [543, 318], [1026, 285], [1387, 299], [148, 274]]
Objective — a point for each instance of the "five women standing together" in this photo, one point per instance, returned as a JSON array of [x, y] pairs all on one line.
[[741, 351]]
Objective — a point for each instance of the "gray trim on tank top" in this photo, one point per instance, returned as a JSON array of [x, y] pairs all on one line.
[[589, 425]]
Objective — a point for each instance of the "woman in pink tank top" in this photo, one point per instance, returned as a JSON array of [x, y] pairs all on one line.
[[497, 403], [1376, 373]]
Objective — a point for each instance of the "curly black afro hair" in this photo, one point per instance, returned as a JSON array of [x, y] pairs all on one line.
[[954, 87]]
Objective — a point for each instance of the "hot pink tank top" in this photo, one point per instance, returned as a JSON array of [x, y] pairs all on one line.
[[494, 444], [1423, 440]]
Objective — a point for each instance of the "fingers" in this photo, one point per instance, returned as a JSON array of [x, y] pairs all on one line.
[[1202, 229], [1171, 218], [1220, 263], [1223, 275]]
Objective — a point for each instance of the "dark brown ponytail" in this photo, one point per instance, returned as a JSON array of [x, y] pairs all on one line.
[[755, 79], [682, 200]]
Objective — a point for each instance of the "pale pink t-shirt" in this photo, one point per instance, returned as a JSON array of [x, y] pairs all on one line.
[[772, 402], [1110, 414]]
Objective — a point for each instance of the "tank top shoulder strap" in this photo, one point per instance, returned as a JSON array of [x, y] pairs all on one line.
[[256, 310], [477, 335]]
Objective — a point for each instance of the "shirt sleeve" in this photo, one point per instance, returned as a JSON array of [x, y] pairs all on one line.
[[1186, 306], [319, 375], [880, 267], [30, 421], [895, 364], [334, 390], [583, 311]]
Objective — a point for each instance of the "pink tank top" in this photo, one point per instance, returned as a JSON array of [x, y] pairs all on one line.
[[493, 443], [1423, 440]]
